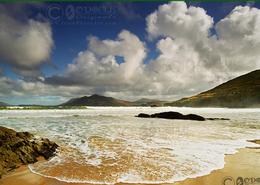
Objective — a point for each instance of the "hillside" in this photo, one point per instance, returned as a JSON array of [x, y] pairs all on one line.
[[96, 100], [243, 91], [148, 102]]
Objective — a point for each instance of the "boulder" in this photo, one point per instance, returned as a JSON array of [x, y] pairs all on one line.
[[168, 115], [20, 148], [172, 115], [194, 117], [142, 115]]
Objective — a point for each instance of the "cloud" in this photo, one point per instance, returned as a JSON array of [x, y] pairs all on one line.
[[191, 54], [30, 92], [191, 58], [239, 39], [177, 20], [24, 44], [186, 63], [178, 69], [98, 66]]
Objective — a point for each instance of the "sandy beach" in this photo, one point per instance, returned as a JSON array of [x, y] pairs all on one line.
[[110, 145], [245, 163]]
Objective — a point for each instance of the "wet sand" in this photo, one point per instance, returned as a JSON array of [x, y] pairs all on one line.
[[245, 164]]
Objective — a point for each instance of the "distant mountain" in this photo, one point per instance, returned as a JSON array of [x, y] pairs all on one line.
[[148, 102], [243, 91], [2, 104], [96, 100]]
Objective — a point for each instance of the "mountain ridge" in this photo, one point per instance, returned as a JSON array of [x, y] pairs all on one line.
[[240, 92], [96, 100], [99, 100]]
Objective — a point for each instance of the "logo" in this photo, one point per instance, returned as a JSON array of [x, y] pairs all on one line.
[[240, 181], [70, 12], [228, 181], [54, 12], [80, 14]]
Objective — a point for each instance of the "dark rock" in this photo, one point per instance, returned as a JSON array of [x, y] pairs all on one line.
[[142, 115], [194, 117], [177, 115], [168, 115], [19, 148], [82, 141], [173, 115], [24, 135], [46, 148]]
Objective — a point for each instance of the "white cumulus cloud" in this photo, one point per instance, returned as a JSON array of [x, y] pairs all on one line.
[[177, 20], [24, 44], [239, 39], [98, 66], [191, 58]]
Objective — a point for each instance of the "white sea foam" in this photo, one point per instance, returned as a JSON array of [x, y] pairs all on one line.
[[101, 134]]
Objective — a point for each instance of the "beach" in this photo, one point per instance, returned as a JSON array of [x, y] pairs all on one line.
[[105, 145], [245, 163]]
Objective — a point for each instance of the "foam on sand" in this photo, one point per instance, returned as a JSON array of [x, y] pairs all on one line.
[[109, 145]]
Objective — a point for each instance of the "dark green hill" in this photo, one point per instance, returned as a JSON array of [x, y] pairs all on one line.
[[96, 100], [148, 102], [243, 91]]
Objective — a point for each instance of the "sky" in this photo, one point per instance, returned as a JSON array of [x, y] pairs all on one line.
[[51, 52]]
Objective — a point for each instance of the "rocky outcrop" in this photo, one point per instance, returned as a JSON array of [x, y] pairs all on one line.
[[177, 115], [20, 148], [143, 115], [173, 115]]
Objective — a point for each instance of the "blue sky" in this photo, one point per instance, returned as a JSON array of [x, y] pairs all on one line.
[[70, 36], [72, 24], [66, 50]]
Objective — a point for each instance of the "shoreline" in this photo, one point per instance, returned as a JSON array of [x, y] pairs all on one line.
[[245, 163]]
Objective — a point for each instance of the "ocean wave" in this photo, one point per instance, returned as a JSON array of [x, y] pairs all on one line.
[[136, 150]]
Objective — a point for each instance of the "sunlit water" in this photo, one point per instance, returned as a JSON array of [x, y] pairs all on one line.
[[109, 145]]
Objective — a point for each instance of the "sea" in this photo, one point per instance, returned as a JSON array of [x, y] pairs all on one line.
[[109, 145]]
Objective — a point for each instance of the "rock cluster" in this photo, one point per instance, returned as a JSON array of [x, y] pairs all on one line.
[[20, 148], [172, 115], [177, 115]]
